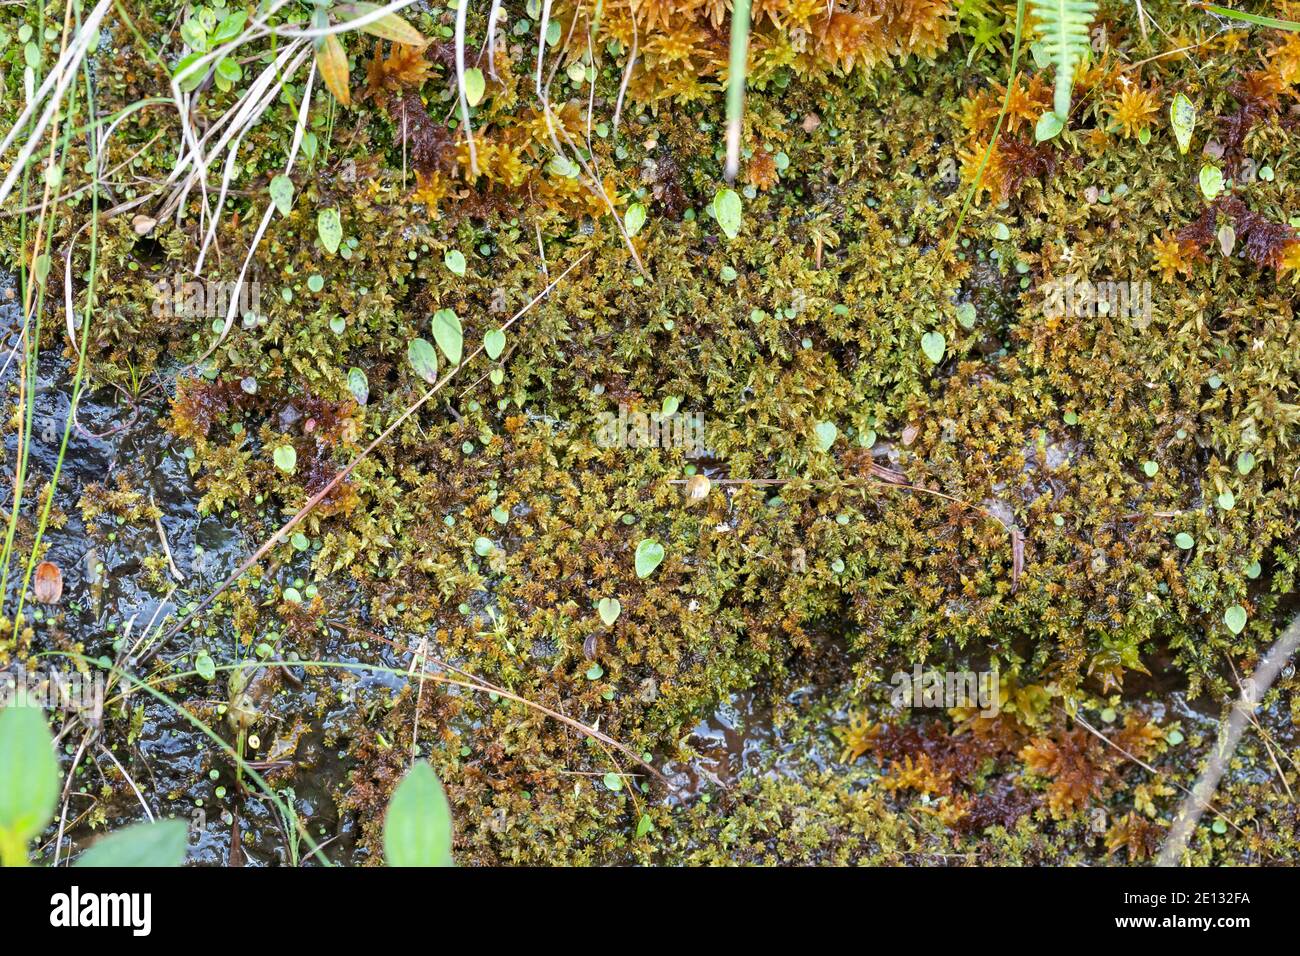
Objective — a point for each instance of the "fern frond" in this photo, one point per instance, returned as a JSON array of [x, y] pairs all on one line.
[[1065, 26]]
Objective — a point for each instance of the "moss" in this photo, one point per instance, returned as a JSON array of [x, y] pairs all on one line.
[[1033, 420]]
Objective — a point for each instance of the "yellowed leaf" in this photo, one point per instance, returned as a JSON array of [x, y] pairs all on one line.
[[332, 60]]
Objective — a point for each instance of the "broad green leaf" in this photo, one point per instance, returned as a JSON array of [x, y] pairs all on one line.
[[204, 664], [1211, 180], [281, 190], [494, 343], [448, 334], [358, 385], [285, 458], [330, 229], [634, 218], [417, 825], [649, 555], [1235, 618], [474, 86], [933, 345], [1182, 117], [424, 359], [228, 28], [188, 74], [454, 260], [1049, 125], [826, 435], [727, 210], [610, 609], [29, 774], [145, 844]]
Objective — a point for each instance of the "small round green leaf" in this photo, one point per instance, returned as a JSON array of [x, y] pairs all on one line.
[[728, 211], [1235, 618], [494, 343], [424, 359], [330, 229], [454, 260], [649, 554], [285, 458]]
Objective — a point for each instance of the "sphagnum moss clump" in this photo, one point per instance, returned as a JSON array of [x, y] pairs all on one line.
[[873, 504]]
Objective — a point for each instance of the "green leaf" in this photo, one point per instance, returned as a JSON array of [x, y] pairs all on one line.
[[1211, 180], [281, 190], [494, 343], [649, 555], [424, 359], [644, 825], [474, 86], [1048, 127], [330, 229], [228, 28], [1235, 618], [454, 260], [1245, 463], [634, 218], [29, 774], [1182, 117], [826, 435], [188, 74], [285, 458], [448, 334], [358, 385], [204, 664], [966, 315], [934, 345], [417, 826], [145, 844], [1184, 540], [727, 210], [610, 609]]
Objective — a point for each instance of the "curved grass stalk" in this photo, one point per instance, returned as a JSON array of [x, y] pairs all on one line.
[[737, 73], [997, 129]]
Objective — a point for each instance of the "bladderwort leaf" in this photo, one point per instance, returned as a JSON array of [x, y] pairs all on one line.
[[634, 218], [609, 610], [1211, 181], [1182, 117], [494, 343], [358, 385], [281, 190], [423, 358], [449, 335], [285, 458], [649, 555], [728, 211], [826, 434], [1235, 618], [454, 260], [475, 86], [934, 345], [330, 229]]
